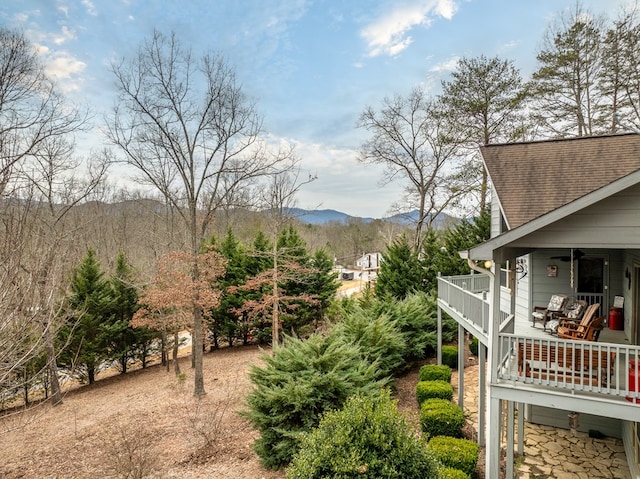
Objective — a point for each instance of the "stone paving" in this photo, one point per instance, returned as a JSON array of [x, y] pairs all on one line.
[[552, 452]]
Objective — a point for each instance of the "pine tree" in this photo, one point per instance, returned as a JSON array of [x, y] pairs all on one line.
[[226, 321], [126, 342], [400, 271], [85, 334]]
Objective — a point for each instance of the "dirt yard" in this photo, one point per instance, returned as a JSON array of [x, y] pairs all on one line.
[[147, 419]]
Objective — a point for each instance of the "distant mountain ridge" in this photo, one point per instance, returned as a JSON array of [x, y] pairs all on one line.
[[321, 217]]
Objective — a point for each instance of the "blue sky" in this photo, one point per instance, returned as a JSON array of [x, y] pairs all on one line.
[[311, 65]]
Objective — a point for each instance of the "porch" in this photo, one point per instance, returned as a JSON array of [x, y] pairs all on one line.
[[577, 375]]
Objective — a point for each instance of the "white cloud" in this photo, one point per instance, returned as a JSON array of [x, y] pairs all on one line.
[[446, 66], [91, 9], [65, 69], [389, 34], [65, 34]]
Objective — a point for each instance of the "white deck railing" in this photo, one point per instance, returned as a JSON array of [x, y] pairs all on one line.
[[466, 296], [576, 366]]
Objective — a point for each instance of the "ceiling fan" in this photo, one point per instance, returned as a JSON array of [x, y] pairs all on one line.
[[575, 254]]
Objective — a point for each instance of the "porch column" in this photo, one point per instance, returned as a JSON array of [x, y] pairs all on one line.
[[510, 437], [492, 467], [439, 341], [494, 411], [482, 392], [520, 429], [461, 333]]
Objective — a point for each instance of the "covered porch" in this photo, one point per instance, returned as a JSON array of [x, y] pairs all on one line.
[[534, 367]]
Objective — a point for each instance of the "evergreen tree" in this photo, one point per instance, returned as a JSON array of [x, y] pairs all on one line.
[[486, 99], [124, 341], [401, 272], [565, 85], [84, 336], [226, 320], [442, 257]]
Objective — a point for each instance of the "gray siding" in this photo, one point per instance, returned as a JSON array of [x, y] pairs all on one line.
[[612, 223]]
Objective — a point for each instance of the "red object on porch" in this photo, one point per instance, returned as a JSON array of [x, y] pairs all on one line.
[[634, 378], [616, 321]]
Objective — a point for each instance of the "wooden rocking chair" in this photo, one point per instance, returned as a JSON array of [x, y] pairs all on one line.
[[586, 330]]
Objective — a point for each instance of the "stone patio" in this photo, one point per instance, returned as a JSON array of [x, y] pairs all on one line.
[[551, 452]]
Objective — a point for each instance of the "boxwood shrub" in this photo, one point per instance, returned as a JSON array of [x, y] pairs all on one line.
[[367, 439], [439, 417], [451, 473], [433, 389], [454, 452], [450, 356], [433, 372]]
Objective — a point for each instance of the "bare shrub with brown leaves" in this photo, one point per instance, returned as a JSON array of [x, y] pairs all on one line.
[[129, 451]]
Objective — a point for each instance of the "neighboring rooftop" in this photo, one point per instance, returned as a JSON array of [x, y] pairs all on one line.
[[535, 178]]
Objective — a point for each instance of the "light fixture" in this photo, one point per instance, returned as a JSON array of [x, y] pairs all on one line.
[[488, 263]]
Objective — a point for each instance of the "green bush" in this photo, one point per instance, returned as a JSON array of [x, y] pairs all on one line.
[[473, 346], [451, 473], [450, 356], [457, 453], [300, 381], [439, 417], [434, 372], [367, 439], [379, 340], [433, 389]]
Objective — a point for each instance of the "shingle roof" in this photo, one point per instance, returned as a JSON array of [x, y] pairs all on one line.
[[532, 179]]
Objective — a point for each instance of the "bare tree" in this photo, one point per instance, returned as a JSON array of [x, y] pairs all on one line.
[[187, 128], [55, 184], [36, 124], [280, 199], [31, 111], [417, 144]]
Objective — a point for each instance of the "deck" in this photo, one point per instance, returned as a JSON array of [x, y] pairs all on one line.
[[535, 364]]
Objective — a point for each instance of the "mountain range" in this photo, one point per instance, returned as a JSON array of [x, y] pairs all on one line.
[[321, 217]]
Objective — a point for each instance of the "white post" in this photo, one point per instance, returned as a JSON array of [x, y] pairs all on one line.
[[494, 411], [460, 366], [510, 435], [439, 328], [482, 392]]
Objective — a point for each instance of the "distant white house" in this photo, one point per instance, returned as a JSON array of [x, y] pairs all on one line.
[[369, 262]]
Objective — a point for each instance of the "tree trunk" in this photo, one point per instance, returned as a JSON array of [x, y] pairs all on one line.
[[176, 345], [52, 366]]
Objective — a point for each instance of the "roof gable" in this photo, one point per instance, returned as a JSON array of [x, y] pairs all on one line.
[[535, 178]]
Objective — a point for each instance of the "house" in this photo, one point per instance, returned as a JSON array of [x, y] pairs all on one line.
[[565, 220], [369, 261]]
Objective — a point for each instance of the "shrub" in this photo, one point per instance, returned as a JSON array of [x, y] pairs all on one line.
[[367, 439], [457, 453], [450, 356], [439, 417], [435, 372], [379, 340], [300, 381], [451, 473], [433, 389], [473, 346]]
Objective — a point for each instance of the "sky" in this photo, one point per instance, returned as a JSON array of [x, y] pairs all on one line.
[[312, 66]]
